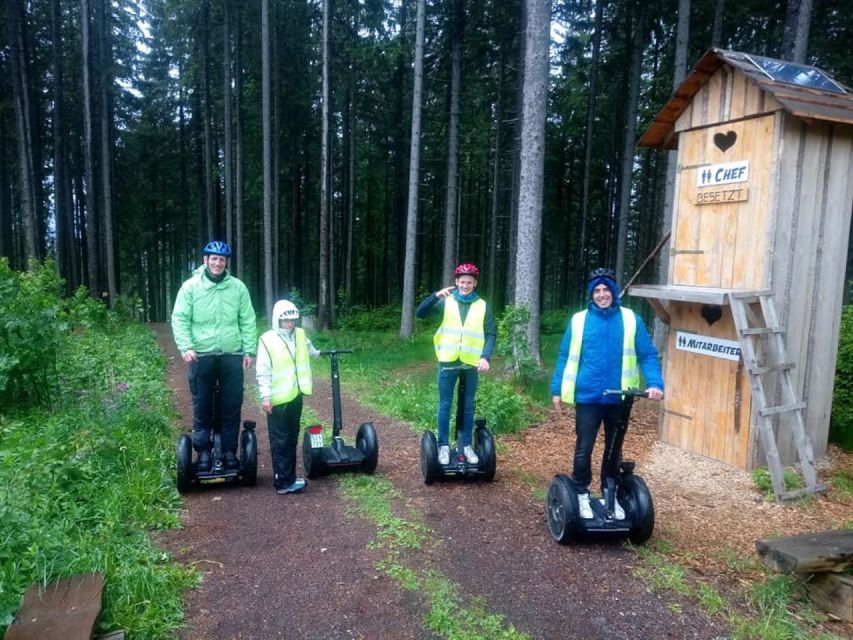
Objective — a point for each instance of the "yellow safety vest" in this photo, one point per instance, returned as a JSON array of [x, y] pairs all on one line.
[[630, 372], [290, 374], [456, 341]]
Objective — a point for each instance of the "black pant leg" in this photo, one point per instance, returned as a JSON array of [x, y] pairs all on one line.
[[587, 420], [283, 426], [231, 382], [615, 425], [201, 378]]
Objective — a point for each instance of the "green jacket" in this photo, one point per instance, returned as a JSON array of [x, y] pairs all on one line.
[[212, 317]]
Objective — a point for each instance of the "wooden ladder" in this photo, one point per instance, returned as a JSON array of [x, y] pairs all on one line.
[[762, 343]]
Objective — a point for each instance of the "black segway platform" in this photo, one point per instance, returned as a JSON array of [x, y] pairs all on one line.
[[483, 445], [246, 473], [318, 458], [564, 521]]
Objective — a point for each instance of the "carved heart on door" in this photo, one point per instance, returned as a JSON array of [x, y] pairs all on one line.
[[725, 141]]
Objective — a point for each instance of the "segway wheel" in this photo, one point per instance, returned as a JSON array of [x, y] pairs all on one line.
[[312, 457], [249, 449], [184, 478], [635, 498], [562, 508], [486, 452], [367, 442], [429, 457]]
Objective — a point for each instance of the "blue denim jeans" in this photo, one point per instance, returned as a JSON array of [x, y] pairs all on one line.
[[447, 379], [228, 370], [588, 418]]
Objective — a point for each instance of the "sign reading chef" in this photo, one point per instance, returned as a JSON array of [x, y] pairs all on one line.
[[724, 173]]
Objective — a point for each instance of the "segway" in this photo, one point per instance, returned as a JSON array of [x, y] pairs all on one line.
[[247, 470], [564, 520], [319, 459], [458, 467]]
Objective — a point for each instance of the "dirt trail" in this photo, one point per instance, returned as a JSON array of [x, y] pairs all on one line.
[[300, 567]]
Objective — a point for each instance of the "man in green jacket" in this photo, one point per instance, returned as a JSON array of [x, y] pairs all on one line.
[[216, 332]]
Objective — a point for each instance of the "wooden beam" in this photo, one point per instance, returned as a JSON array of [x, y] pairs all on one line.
[[833, 592], [808, 552], [63, 610]]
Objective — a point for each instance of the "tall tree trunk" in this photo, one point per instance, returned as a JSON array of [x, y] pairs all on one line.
[[407, 320], [24, 125], [682, 40], [62, 212], [267, 154], [325, 214], [795, 41], [494, 217], [512, 243], [239, 254], [452, 196], [629, 141], [106, 150], [93, 255], [717, 29], [206, 108], [529, 243], [350, 137], [227, 123], [590, 125]]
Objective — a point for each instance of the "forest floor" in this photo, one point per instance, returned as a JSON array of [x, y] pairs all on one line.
[[311, 566]]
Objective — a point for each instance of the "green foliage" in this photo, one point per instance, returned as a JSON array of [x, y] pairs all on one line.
[[360, 318], [554, 321], [841, 419], [514, 345], [790, 478], [85, 481], [842, 482]]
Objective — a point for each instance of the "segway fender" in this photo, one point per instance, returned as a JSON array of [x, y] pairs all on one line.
[[635, 498], [429, 457], [367, 442], [249, 453], [485, 442], [312, 457], [184, 477], [564, 521]]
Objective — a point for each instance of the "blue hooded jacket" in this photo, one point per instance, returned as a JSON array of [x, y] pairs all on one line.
[[600, 365]]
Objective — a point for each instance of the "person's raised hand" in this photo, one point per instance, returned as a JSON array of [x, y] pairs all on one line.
[[443, 293]]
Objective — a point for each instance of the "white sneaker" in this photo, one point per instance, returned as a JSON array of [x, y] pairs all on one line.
[[618, 511], [444, 454], [470, 456], [585, 508]]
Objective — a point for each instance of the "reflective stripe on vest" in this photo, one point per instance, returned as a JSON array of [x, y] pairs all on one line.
[[456, 341], [290, 375], [630, 372]]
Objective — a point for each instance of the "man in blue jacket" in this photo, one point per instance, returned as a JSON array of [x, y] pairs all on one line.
[[604, 347]]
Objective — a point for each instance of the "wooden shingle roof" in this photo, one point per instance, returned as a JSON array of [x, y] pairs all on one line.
[[802, 101]]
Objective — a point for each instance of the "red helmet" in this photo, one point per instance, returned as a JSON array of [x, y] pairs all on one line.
[[466, 269]]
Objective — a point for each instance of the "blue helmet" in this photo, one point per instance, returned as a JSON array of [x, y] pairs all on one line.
[[218, 247]]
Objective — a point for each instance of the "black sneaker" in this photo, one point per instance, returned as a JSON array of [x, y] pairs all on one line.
[[231, 461], [203, 462], [298, 485]]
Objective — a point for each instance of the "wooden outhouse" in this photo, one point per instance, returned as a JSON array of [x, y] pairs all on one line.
[[757, 254]]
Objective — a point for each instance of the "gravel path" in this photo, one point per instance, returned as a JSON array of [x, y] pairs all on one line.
[[302, 567]]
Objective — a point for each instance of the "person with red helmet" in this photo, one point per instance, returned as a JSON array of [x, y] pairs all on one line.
[[463, 345]]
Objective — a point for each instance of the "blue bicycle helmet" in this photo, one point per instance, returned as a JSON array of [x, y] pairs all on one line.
[[218, 247]]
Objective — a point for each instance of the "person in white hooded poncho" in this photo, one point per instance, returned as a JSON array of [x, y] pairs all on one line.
[[284, 375]]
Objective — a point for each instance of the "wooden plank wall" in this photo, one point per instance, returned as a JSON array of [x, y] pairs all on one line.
[[727, 96], [808, 252], [724, 245], [707, 406]]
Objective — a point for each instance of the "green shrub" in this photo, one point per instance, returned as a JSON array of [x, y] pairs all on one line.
[[841, 419]]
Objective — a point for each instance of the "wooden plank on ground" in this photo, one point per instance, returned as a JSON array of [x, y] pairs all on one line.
[[808, 552], [833, 592], [64, 610]]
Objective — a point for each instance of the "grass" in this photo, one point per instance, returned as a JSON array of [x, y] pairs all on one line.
[[451, 613], [842, 482], [82, 486]]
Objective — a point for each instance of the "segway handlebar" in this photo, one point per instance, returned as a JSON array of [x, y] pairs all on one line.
[[331, 352], [633, 393]]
